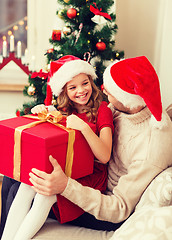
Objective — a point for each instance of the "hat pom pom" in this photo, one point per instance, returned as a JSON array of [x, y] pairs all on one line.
[[160, 124]]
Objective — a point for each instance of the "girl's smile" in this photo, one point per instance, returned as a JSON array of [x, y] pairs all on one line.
[[79, 90]]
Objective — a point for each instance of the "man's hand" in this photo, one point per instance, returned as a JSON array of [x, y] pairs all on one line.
[[49, 184]]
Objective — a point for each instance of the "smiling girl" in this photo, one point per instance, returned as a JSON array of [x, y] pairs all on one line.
[[72, 80]]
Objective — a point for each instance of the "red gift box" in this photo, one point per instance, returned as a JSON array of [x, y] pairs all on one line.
[[37, 143]]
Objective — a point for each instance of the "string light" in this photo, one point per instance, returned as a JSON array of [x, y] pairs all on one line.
[[15, 28], [10, 33], [21, 23]]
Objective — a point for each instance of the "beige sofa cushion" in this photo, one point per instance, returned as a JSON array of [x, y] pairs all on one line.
[[149, 223], [152, 218], [52, 230]]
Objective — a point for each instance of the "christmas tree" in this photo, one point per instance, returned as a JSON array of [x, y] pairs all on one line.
[[36, 90], [89, 33]]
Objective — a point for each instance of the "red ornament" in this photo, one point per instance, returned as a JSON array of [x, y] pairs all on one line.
[[71, 13], [56, 35], [101, 46], [51, 50], [18, 113]]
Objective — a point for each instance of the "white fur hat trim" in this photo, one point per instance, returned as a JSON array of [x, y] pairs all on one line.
[[127, 99]]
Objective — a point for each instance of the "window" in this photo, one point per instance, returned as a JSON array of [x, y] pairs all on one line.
[[13, 22]]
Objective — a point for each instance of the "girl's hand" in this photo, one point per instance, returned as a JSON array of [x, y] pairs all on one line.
[[75, 122], [49, 184], [39, 108]]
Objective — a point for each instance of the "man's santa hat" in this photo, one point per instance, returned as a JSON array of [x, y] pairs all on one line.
[[62, 71], [134, 82]]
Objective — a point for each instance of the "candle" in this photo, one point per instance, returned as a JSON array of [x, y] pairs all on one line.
[[11, 43], [26, 57], [4, 53], [32, 65], [19, 49], [1, 59]]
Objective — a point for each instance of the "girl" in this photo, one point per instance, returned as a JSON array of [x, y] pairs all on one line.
[[71, 79]]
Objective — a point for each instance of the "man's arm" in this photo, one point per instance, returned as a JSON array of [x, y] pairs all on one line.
[[114, 208], [118, 206]]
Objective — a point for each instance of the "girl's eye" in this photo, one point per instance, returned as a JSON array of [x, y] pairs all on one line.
[[85, 83], [71, 88]]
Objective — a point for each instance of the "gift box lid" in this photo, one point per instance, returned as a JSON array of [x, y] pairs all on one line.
[[42, 134]]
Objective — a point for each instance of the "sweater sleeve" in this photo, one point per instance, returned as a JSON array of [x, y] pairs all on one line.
[[105, 117], [118, 206]]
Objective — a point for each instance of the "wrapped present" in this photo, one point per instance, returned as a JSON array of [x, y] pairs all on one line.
[[26, 143]]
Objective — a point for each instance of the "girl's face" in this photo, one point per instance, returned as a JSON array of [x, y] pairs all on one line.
[[79, 90]]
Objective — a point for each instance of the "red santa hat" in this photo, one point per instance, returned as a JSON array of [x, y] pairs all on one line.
[[62, 71], [134, 82]]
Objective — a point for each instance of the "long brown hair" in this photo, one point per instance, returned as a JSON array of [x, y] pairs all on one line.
[[66, 106]]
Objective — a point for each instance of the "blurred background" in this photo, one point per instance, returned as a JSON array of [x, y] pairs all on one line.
[[144, 28]]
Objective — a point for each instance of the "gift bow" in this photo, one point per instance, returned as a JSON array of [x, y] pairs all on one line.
[[53, 117], [39, 74], [97, 11]]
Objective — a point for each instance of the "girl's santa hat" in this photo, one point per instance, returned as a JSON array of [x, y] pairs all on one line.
[[62, 71], [134, 82]]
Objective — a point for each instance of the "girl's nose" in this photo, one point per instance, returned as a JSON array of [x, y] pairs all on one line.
[[80, 89]]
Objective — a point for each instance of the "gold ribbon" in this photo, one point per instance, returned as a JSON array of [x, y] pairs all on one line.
[[54, 117]]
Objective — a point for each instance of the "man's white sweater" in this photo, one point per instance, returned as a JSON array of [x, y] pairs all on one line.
[[140, 152]]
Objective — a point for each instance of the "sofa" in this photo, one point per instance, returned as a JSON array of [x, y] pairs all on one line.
[[151, 219]]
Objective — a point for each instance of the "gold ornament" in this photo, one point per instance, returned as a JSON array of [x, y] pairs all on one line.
[[117, 54], [66, 1], [61, 13], [31, 90], [67, 30], [54, 102]]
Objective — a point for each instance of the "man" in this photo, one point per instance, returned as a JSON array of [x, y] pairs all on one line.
[[141, 148]]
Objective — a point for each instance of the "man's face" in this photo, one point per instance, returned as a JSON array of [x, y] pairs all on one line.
[[118, 105]]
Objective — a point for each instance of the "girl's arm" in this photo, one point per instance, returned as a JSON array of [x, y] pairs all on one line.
[[100, 145]]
